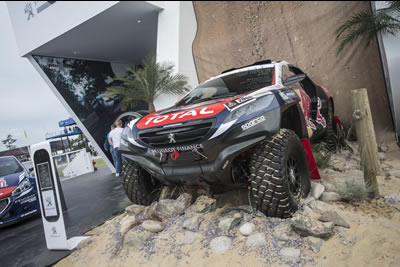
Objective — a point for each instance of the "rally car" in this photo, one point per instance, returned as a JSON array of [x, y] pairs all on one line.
[[248, 126], [18, 192]]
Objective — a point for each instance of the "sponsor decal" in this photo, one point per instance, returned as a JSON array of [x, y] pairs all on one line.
[[306, 107], [234, 104], [175, 155], [171, 138], [29, 213], [252, 123], [176, 117], [320, 119], [29, 199], [173, 149], [3, 183]]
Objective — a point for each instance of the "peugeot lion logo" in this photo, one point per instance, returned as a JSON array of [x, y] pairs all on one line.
[[171, 137]]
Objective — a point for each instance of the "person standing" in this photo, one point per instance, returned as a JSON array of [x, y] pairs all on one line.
[[107, 146], [115, 141]]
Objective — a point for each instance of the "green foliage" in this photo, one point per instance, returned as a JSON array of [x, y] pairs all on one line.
[[9, 141], [322, 154], [367, 25], [148, 82], [353, 190]]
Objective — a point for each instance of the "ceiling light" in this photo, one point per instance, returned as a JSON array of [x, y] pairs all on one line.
[[139, 21]]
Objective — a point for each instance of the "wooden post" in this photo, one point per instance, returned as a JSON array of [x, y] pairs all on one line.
[[366, 139]]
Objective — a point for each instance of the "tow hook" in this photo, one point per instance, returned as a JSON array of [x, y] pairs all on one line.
[[197, 151]]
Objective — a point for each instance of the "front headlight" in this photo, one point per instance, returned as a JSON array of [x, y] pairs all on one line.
[[127, 134], [249, 108], [242, 109], [25, 185]]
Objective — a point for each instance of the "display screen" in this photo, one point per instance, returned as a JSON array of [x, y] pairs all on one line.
[[44, 176]]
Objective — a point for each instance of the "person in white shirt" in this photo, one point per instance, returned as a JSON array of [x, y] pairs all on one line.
[[115, 141]]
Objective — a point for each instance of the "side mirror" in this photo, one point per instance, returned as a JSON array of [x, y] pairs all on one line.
[[294, 79]]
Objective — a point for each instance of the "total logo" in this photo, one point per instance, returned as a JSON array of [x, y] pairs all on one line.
[[179, 115], [252, 123], [196, 113]]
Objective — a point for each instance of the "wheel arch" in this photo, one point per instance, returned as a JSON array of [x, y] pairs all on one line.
[[292, 118]]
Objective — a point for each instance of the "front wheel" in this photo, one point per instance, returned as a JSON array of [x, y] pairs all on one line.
[[140, 187], [279, 175]]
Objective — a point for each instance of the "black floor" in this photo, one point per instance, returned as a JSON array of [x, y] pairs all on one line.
[[91, 199]]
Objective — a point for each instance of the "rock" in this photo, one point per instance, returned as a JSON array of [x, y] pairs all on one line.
[[307, 226], [306, 201], [314, 243], [330, 196], [134, 209], [393, 199], [237, 215], [281, 232], [330, 171], [193, 223], [330, 187], [126, 223], [290, 253], [221, 244], [247, 228], [136, 239], [256, 240], [381, 156], [167, 208], [152, 226], [320, 206], [332, 216], [383, 148], [228, 224], [205, 204], [316, 190]]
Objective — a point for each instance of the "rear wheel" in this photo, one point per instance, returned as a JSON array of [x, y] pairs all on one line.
[[279, 175], [140, 187]]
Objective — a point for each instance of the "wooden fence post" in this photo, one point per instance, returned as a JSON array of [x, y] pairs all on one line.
[[366, 139]]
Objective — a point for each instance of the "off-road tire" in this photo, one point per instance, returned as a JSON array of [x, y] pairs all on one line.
[[331, 132], [139, 186], [272, 188]]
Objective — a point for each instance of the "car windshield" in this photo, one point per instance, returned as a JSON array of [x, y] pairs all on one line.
[[229, 85], [9, 166]]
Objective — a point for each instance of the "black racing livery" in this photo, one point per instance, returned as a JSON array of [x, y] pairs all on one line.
[[247, 126]]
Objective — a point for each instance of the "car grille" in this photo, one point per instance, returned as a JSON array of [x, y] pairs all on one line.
[[3, 204], [184, 134]]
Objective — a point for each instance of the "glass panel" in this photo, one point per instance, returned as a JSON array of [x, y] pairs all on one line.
[[82, 84], [61, 163]]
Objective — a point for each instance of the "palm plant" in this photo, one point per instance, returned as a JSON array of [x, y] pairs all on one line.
[[148, 82], [367, 24]]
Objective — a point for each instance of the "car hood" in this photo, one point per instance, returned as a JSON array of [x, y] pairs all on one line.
[[9, 182], [179, 114], [12, 179]]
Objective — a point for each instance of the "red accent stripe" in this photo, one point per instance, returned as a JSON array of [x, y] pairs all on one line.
[[312, 165], [6, 192], [273, 77]]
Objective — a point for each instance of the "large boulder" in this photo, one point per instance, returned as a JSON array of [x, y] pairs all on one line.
[[307, 226], [330, 196], [316, 190], [167, 208], [332, 216]]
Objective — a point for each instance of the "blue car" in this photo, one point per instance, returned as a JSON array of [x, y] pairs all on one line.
[[18, 192]]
